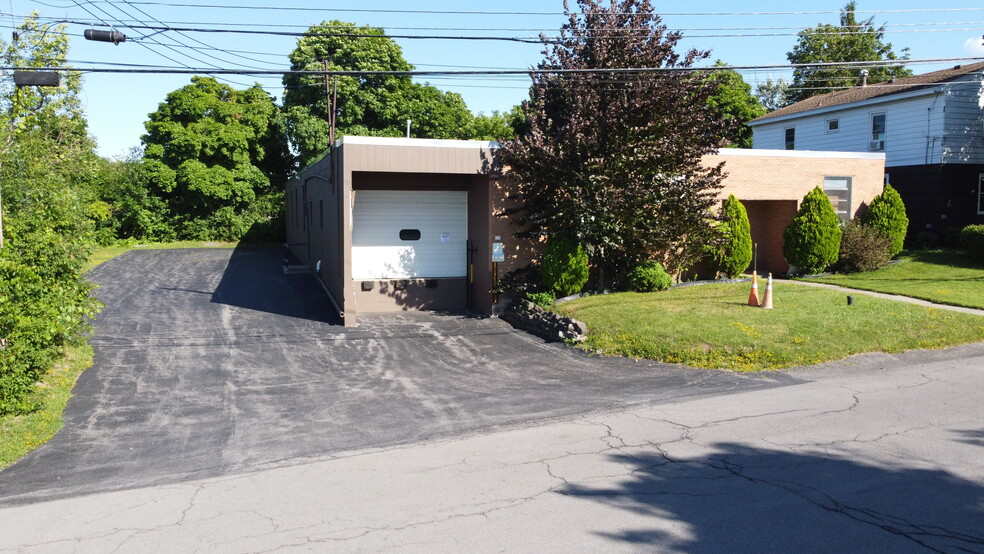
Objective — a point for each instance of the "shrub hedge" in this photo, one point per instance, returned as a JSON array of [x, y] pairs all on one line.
[[812, 239], [863, 248], [887, 214], [564, 268], [649, 277], [972, 240], [734, 258]]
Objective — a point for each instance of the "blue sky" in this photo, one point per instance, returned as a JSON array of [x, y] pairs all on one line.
[[117, 104]]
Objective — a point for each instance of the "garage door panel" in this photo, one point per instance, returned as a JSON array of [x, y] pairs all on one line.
[[377, 249]]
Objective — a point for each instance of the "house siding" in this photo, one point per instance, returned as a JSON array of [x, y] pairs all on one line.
[[908, 122], [963, 133]]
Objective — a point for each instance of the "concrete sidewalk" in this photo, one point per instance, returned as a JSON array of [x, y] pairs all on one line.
[[896, 297], [878, 453]]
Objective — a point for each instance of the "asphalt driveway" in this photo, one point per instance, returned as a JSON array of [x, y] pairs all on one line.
[[213, 362]]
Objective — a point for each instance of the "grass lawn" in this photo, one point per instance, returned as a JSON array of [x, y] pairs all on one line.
[[106, 253], [711, 326], [941, 276], [23, 433]]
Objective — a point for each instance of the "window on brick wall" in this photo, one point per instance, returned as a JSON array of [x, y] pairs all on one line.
[[838, 190]]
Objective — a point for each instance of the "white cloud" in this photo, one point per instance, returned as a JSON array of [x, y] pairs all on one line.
[[974, 46]]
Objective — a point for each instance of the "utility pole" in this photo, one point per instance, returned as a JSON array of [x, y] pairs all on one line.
[[331, 92]]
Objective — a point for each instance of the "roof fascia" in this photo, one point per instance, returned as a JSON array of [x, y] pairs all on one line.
[[850, 105]]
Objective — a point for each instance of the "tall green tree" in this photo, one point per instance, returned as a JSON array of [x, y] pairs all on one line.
[[46, 157], [612, 160], [773, 94], [734, 103], [217, 157], [376, 105], [498, 125], [850, 41]]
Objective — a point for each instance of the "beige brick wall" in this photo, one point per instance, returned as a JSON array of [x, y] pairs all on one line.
[[775, 175]]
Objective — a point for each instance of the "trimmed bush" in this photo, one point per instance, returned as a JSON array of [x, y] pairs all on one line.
[[544, 300], [812, 239], [649, 277], [863, 248], [564, 269], [972, 240], [951, 237], [734, 258], [887, 214], [923, 240]]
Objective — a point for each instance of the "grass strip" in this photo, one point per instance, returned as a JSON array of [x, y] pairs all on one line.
[[940, 276], [20, 434], [106, 253], [711, 326]]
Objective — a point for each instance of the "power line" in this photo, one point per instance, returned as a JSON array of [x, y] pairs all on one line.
[[507, 13], [531, 71]]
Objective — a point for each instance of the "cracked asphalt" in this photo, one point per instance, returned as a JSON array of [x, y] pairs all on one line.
[[877, 453], [210, 362]]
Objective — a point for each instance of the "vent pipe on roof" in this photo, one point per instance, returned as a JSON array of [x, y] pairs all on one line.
[[864, 77]]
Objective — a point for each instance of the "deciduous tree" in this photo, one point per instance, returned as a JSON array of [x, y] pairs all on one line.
[[376, 105], [734, 103], [611, 157], [218, 159], [851, 41]]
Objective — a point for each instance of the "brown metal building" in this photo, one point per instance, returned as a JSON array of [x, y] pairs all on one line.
[[389, 224]]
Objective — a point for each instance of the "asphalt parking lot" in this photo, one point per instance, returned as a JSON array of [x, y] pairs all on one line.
[[213, 362]]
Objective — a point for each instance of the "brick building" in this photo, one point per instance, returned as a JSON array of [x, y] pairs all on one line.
[[387, 224]]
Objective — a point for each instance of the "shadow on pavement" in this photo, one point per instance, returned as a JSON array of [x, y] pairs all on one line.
[[751, 500], [254, 279]]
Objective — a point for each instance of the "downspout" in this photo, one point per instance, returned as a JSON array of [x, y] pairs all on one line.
[[331, 297]]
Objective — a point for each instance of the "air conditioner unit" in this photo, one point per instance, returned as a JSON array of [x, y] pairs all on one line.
[[876, 145]]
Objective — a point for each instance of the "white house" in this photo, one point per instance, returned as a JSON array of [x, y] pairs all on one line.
[[930, 128]]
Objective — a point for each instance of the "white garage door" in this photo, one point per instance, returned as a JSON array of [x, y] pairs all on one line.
[[409, 234]]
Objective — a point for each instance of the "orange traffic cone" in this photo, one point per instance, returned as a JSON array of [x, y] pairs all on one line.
[[767, 297], [753, 296]]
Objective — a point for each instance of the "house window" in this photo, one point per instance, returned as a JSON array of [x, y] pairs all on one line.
[[838, 190], [980, 194], [877, 143], [791, 138], [833, 125]]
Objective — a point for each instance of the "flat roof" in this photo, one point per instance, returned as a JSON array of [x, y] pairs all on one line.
[[415, 142], [767, 153]]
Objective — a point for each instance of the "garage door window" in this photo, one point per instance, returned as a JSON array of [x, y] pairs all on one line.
[[409, 234]]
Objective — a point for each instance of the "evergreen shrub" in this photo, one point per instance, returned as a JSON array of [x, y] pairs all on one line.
[[734, 258], [812, 239], [972, 240], [863, 248], [887, 214], [564, 268], [649, 277]]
